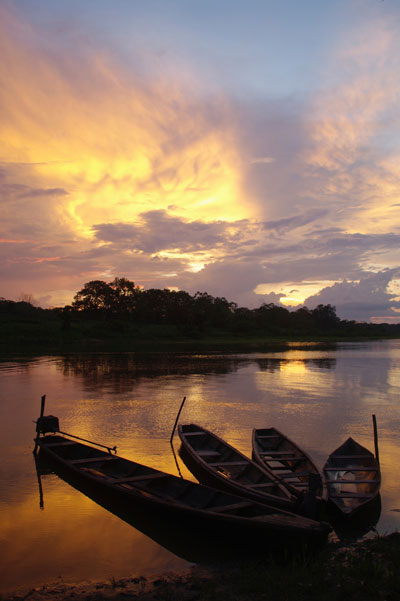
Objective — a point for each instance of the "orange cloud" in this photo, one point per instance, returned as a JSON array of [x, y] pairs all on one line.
[[117, 143]]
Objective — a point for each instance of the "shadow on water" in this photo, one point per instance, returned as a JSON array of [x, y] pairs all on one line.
[[198, 543]]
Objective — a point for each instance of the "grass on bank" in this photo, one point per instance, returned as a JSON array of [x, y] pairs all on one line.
[[366, 571], [363, 571]]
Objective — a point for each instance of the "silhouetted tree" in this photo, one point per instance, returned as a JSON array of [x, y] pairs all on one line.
[[302, 320], [325, 317], [125, 296], [152, 305], [95, 297], [179, 308], [272, 317]]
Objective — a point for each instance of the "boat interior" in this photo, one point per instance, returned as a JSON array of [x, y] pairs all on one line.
[[229, 462], [123, 473], [285, 460]]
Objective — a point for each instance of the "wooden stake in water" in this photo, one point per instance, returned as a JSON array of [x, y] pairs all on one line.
[[177, 417], [42, 404], [172, 436], [43, 401], [375, 438]]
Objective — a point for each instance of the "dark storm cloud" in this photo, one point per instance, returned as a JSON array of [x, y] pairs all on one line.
[[363, 299]]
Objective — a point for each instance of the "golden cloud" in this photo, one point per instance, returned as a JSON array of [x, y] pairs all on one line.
[[117, 142]]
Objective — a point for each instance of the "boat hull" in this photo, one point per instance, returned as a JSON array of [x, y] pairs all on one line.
[[167, 499], [216, 463], [353, 477], [292, 466]]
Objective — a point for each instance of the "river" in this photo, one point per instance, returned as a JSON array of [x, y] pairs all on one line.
[[317, 396]]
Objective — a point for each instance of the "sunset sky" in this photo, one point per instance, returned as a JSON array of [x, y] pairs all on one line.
[[247, 149]]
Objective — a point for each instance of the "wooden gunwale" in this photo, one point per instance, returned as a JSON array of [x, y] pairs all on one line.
[[343, 461], [195, 455], [287, 460], [208, 506]]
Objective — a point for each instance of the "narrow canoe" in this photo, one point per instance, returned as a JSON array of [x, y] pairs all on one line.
[[290, 464], [352, 476], [175, 500], [216, 463]]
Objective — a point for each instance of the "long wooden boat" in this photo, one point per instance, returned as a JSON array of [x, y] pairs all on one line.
[[168, 497], [216, 463], [353, 477], [290, 464]]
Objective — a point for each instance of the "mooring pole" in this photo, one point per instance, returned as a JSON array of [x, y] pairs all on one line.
[[41, 498], [43, 401], [172, 437], [176, 421], [42, 404], [376, 438]]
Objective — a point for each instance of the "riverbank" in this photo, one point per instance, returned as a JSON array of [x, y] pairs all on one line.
[[25, 329], [165, 340], [362, 571]]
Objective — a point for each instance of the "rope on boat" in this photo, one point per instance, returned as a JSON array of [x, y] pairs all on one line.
[[109, 449]]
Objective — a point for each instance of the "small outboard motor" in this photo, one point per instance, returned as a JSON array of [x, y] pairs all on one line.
[[47, 423]]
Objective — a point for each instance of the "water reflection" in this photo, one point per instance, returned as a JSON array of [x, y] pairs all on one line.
[[120, 372], [300, 365], [317, 397]]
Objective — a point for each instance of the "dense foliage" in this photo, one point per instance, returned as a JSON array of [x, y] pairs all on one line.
[[122, 299], [122, 310]]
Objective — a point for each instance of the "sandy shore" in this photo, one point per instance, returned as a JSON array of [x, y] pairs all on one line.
[[174, 586]]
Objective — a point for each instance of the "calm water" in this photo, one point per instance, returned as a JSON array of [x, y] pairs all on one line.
[[317, 397]]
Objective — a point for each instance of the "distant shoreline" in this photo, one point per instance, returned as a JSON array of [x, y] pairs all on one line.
[[161, 321], [208, 344]]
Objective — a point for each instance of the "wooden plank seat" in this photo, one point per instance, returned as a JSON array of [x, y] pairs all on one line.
[[350, 469], [222, 463], [138, 478], [208, 453], [349, 495], [299, 484], [284, 454], [93, 459], [231, 507], [293, 474], [339, 457], [353, 481], [261, 485], [60, 444]]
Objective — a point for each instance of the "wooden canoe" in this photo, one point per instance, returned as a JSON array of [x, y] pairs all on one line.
[[173, 499], [216, 463], [290, 464], [353, 477]]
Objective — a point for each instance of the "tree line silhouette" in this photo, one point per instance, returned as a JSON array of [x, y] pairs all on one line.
[[120, 304], [121, 298]]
